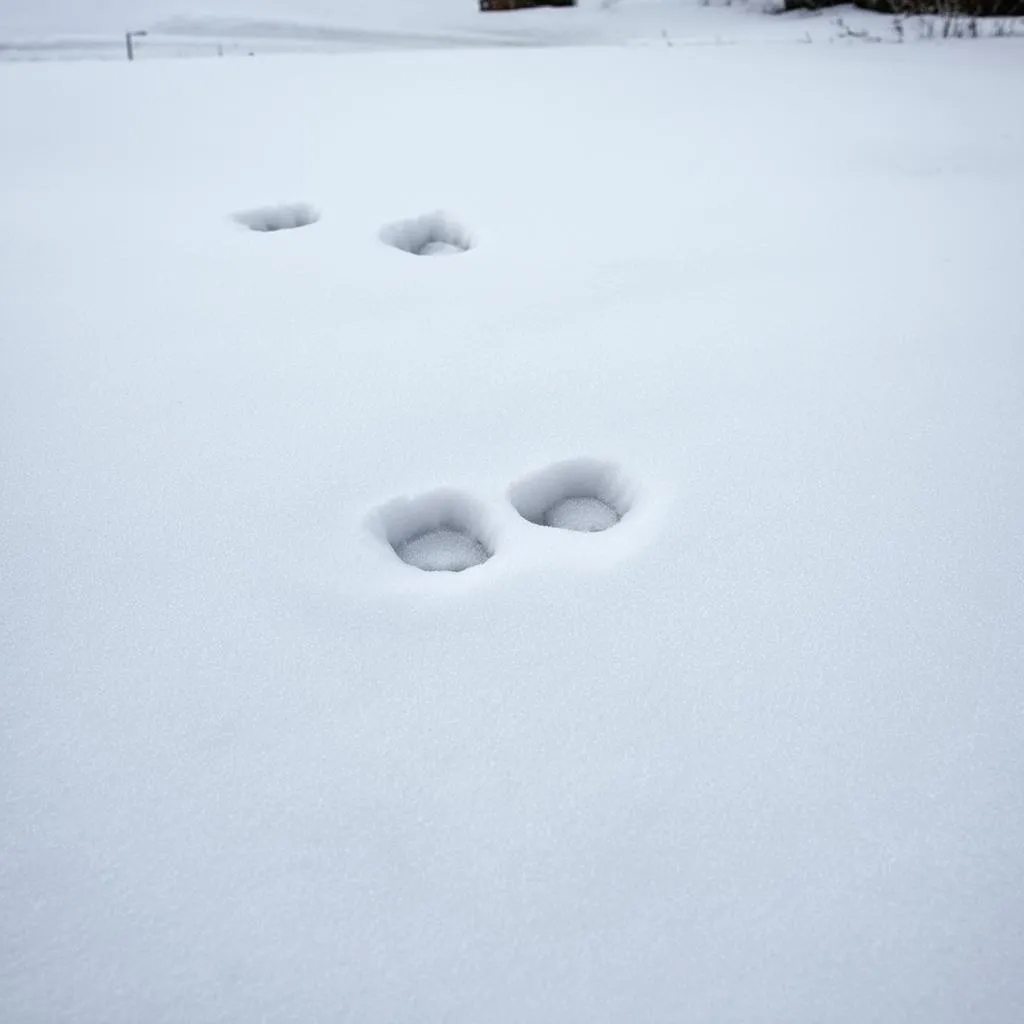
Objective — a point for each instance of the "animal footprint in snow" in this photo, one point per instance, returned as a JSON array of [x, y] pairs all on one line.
[[448, 531], [584, 495], [433, 234], [443, 531], [278, 218]]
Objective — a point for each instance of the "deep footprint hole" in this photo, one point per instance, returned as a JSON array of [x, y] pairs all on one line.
[[433, 234], [278, 218], [583, 495], [443, 531]]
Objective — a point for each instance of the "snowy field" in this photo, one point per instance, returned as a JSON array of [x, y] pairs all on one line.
[[34, 30], [745, 749]]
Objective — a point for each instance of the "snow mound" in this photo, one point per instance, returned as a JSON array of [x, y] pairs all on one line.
[[278, 218], [443, 531], [585, 495], [444, 550], [587, 515], [433, 234]]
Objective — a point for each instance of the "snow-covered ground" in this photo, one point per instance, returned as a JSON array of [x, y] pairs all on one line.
[[750, 755]]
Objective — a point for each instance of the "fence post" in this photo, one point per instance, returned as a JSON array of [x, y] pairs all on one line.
[[129, 43]]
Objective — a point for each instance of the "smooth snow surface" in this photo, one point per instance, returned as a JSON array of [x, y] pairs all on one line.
[[587, 515], [752, 756], [442, 550]]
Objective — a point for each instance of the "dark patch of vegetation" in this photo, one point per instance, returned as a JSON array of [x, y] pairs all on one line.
[[934, 8]]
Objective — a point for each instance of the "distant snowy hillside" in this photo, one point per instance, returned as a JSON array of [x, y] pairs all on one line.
[[110, 15], [59, 30]]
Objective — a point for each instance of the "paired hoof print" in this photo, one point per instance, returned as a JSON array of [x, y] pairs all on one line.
[[278, 218], [584, 495], [433, 234], [443, 531], [448, 531]]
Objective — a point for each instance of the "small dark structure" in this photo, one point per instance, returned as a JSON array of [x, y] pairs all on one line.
[[518, 5]]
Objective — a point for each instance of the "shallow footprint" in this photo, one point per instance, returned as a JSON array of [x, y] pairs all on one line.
[[433, 234], [285, 217]]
